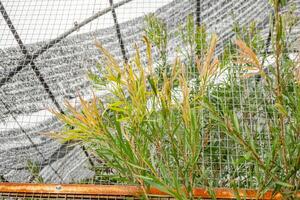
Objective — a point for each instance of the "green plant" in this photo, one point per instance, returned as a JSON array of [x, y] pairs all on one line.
[[148, 132], [272, 148], [157, 33], [194, 43], [162, 119], [34, 169]]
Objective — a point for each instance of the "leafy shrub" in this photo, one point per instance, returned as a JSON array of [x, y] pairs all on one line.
[[151, 129]]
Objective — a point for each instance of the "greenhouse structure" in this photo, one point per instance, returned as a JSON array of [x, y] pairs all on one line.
[[149, 99]]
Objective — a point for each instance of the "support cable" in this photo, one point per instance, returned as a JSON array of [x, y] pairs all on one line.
[[119, 35]]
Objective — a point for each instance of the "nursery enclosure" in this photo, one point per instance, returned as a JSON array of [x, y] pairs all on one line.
[[231, 126]]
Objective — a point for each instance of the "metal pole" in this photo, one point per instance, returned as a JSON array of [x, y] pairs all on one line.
[[198, 12], [94, 191], [118, 31]]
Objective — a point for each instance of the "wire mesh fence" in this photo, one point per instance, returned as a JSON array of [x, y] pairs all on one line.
[[48, 46]]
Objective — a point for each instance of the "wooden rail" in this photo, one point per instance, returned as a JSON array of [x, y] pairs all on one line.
[[120, 190]]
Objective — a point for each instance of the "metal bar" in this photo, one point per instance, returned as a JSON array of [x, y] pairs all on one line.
[[51, 43], [26, 196], [74, 189], [45, 85], [122, 190], [86, 153], [198, 12], [268, 41], [15, 71], [119, 35], [12, 28], [267, 45]]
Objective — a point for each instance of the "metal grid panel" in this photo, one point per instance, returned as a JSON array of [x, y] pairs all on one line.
[[25, 119], [58, 37]]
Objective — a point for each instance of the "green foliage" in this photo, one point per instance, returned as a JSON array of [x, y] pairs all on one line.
[[157, 33], [34, 169], [162, 119], [250, 35], [193, 37], [272, 148], [194, 44], [146, 132]]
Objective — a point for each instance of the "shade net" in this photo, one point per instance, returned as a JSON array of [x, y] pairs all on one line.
[[47, 46]]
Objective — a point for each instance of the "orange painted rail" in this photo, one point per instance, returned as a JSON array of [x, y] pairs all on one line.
[[122, 190]]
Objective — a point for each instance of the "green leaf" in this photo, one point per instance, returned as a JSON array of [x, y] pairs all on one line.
[[281, 109], [236, 122], [284, 184]]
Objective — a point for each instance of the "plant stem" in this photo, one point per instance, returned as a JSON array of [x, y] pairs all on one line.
[[278, 54]]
